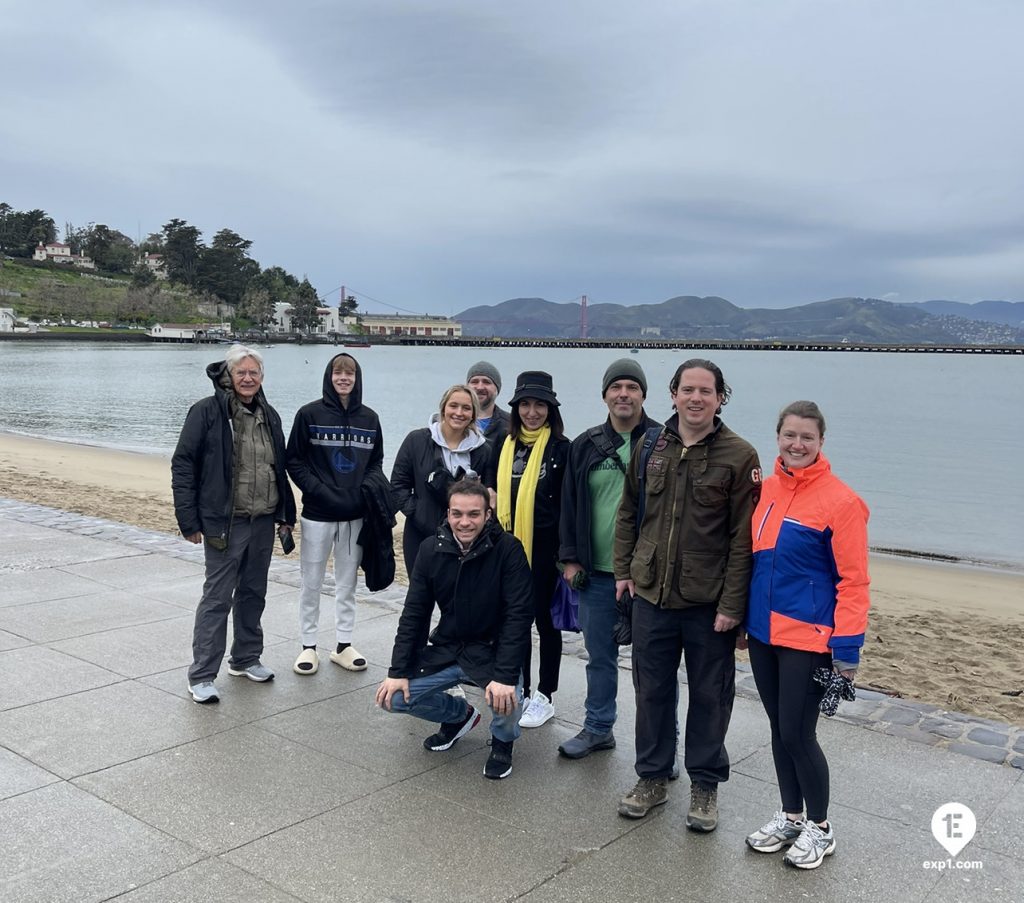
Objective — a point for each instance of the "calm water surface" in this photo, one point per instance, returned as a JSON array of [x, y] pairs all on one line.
[[933, 443]]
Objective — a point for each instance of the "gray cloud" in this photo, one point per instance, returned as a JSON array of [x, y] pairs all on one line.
[[444, 155]]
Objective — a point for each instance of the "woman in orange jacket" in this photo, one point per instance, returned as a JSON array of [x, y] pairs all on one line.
[[808, 609]]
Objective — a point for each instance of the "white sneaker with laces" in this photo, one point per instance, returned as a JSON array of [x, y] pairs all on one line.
[[778, 833], [538, 712], [811, 847]]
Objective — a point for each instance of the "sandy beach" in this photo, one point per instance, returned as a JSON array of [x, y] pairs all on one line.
[[944, 634]]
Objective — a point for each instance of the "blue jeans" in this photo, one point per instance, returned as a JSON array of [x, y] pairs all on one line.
[[597, 621], [429, 701]]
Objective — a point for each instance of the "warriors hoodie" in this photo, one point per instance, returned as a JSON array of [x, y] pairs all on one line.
[[331, 449]]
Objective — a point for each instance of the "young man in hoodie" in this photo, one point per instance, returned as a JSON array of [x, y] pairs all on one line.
[[334, 445]]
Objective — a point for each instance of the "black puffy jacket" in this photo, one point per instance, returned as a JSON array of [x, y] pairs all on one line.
[[486, 604]]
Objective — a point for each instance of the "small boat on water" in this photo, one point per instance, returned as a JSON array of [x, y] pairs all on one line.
[[634, 350]]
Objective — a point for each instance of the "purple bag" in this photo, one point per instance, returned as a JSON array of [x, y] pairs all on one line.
[[565, 607]]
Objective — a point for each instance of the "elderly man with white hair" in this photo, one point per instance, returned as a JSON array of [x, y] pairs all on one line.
[[230, 488]]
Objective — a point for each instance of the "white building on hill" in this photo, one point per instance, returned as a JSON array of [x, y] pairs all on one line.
[[58, 252]]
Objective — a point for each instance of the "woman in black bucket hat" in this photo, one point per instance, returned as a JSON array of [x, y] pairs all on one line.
[[530, 470]]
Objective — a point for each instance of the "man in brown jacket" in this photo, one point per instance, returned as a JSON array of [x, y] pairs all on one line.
[[683, 550]]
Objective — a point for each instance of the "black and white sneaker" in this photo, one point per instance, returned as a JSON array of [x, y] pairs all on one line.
[[499, 762], [451, 731]]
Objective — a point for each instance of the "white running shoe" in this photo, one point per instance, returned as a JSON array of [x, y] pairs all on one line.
[[538, 711], [811, 847]]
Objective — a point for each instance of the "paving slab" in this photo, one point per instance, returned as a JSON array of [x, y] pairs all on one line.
[[12, 641], [391, 846], [21, 587], [18, 775], [84, 732], [33, 673], [138, 650], [210, 881], [38, 548], [231, 788], [61, 843], [59, 619]]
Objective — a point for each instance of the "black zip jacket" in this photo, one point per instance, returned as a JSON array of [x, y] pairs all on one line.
[[331, 450], [202, 480], [420, 481], [486, 605], [376, 537], [586, 452]]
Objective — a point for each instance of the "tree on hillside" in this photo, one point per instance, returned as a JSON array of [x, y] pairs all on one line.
[[142, 276], [304, 303], [182, 252], [22, 231], [257, 307], [276, 282], [76, 236], [225, 268], [110, 250]]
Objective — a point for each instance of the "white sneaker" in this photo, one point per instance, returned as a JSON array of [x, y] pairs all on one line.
[[538, 711], [811, 847]]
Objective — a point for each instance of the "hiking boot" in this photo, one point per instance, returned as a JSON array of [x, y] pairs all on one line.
[[811, 847], [258, 672], [499, 762], [648, 793], [539, 711], [778, 833], [204, 692], [452, 731], [703, 813], [586, 742]]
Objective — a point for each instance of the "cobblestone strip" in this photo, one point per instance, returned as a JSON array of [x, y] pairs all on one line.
[[980, 738]]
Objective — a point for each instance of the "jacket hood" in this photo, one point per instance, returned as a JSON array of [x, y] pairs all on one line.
[[330, 394]]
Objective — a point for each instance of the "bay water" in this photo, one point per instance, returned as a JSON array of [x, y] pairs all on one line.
[[934, 443]]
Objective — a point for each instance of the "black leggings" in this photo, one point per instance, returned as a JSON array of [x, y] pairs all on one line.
[[544, 574], [791, 697]]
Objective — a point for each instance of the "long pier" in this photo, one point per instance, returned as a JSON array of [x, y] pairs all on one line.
[[715, 345]]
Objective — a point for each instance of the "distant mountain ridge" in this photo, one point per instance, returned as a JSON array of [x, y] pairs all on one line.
[[691, 317]]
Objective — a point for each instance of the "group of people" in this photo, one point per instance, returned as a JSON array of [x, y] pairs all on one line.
[[667, 527]]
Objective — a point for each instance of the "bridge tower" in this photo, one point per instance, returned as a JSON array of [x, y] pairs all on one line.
[[583, 318]]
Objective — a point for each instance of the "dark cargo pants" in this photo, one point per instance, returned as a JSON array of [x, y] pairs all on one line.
[[236, 583], [661, 639]]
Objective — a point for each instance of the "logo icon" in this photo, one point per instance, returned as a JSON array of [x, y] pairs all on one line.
[[953, 826]]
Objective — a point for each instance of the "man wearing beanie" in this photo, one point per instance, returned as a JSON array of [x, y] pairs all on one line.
[[592, 487], [485, 380]]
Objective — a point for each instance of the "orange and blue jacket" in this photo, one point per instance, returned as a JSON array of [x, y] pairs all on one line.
[[809, 588]]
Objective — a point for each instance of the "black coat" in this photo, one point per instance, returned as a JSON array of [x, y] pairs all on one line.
[[376, 537], [420, 481], [201, 467], [486, 609]]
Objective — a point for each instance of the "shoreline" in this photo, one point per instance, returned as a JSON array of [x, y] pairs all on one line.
[[902, 554], [949, 633]]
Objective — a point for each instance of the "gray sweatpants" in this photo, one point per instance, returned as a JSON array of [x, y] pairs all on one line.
[[236, 582]]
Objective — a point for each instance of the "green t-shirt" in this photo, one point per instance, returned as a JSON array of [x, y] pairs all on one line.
[[605, 485]]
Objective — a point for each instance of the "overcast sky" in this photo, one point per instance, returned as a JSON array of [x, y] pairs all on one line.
[[437, 155]]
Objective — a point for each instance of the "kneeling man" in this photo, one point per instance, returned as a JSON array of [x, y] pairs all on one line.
[[479, 578]]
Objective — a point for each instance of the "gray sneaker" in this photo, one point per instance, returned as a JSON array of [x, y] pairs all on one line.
[[703, 814], [586, 742], [648, 793], [811, 847], [778, 833], [204, 692], [258, 672]]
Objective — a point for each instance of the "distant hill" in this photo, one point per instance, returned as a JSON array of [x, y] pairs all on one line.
[[690, 317], [1010, 313]]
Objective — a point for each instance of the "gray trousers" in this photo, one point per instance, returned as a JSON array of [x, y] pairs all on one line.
[[236, 582]]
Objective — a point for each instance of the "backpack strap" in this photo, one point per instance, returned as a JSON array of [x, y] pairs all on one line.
[[599, 437], [650, 437]]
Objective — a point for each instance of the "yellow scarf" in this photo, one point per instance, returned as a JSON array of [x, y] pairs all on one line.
[[523, 527]]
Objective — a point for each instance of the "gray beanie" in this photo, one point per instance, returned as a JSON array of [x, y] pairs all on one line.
[[483, 368], [624, 368]]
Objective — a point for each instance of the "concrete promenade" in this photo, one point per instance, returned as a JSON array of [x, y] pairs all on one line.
[[115, 786]]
